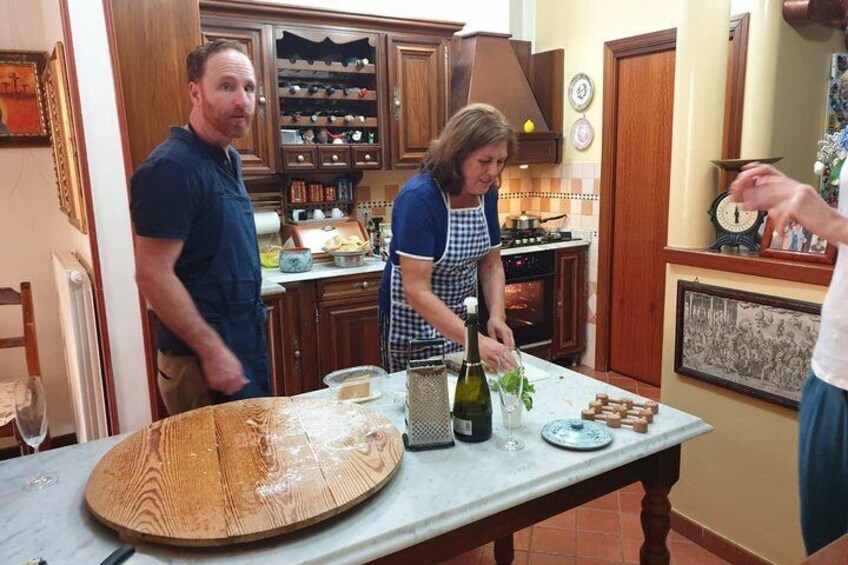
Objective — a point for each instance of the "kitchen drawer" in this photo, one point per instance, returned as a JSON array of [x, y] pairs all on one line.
[[333, 157], [367, 157], [348, 287], [299, 158]]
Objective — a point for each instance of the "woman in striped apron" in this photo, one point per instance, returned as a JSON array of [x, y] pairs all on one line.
[[444, 230]]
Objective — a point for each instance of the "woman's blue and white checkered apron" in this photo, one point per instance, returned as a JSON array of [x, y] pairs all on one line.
[[454, 279]]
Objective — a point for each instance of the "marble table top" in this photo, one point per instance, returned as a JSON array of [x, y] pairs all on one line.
[[420, 502]]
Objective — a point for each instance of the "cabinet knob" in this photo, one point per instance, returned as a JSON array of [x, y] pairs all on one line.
[[334, 158], [397, 103], [301, 158], [262, 100], [367, 157], [361, 284], [297, 353]]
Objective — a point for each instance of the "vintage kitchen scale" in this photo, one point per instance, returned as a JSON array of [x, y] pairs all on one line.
[[428, 419], [733, 225], [243, 471]]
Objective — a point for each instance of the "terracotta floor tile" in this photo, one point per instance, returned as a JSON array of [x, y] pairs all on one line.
[[564, 521], [599, 521], [521, 539], [631, 526], [631, 503], [631, 549], [606, 502], [634, 487], [467, 558], [692, 554], [676, 537], [550, 559], [547, 540], [593, 561], [599, 546]]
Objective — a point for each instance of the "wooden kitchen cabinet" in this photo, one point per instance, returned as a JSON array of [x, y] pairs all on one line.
[[418, 95], [569, 335], [291, 343], [258, 147], [348, 333]]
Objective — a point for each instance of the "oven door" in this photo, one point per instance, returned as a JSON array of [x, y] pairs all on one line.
[[529, 307]]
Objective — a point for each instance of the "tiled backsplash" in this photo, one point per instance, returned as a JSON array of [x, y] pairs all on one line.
[[545, 190]]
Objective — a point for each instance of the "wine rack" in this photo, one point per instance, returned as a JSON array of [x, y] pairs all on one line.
[[329, 106]]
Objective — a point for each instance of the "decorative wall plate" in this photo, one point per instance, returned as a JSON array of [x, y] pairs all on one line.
[[582, 134], [580, 92]]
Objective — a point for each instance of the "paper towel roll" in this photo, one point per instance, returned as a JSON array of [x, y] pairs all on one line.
[[266, 222]]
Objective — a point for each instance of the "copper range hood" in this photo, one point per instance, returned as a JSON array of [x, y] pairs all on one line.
[[492, 68]]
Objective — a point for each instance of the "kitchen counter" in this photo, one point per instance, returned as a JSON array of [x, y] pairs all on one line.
[[435, 494], [273, 278]]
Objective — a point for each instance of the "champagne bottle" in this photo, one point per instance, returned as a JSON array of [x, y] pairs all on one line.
[[472, 407]]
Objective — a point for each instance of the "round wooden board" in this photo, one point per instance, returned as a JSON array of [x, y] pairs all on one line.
[[243, 471]]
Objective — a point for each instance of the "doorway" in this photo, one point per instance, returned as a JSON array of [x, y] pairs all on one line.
[[636, 168]]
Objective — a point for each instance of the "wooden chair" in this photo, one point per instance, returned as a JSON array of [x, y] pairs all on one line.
[[11, 297]]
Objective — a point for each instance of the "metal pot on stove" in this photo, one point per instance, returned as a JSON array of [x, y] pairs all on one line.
[[528, 222]]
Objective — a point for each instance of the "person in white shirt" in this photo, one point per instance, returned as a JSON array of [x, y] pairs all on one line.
[[823, 419]]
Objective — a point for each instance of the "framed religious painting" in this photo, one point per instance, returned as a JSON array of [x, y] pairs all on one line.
[[751, 343], [23, 116], [796, 243], [66, 161]]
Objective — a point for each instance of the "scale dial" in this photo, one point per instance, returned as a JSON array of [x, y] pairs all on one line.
[[732, 218]]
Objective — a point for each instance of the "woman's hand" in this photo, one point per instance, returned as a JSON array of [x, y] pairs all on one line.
[[491, 351], [498, 330]]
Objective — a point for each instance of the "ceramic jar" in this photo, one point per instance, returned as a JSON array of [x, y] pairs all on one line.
[[295, 260]]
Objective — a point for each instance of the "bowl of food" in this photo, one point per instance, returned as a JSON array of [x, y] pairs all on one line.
[[356, 384], [347, 251], [269, 256]]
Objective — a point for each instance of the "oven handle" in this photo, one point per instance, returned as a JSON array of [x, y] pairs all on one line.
[[529, 278]]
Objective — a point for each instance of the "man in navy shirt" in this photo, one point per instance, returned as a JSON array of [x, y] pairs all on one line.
[[196, 253]]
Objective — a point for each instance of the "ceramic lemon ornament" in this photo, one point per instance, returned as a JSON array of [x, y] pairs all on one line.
[[529, 126]]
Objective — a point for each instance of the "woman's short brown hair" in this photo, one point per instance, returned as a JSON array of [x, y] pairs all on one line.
[[473, 127]]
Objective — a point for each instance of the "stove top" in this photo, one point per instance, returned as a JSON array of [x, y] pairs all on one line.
[[511, 239]]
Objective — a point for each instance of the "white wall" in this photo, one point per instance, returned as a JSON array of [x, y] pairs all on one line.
[[478, 15], [31, 225], [111, 211]]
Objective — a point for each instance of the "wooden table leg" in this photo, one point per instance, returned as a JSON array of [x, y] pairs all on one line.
[[504, 553], [661, 472]]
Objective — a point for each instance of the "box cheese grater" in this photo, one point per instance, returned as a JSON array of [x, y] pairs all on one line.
[[428, 420]]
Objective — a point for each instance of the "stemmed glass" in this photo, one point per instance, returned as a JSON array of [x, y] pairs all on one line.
[[510, 388], [31, 421]]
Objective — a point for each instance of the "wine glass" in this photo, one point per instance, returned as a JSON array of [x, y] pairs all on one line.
[[510, 389], [31, 421]]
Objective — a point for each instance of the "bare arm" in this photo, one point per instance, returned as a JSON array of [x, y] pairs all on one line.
[[419, 295], [762, 187], [155, 259], [492, 277]]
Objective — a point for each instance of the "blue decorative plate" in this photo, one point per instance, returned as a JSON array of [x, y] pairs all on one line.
[[577, 434]]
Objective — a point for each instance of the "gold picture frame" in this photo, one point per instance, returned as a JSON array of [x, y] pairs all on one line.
[[65, 144]]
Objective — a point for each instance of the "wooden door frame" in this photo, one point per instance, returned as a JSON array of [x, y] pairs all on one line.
[[614, 51]]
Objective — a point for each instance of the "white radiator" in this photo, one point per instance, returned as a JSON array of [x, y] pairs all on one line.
[[82, 348]]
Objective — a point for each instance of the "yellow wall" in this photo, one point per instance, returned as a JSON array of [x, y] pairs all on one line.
[[740, 480], [581, 27]]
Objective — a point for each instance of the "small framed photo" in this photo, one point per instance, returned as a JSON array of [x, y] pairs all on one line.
[[754, 344], [23, 116], [796, 243]]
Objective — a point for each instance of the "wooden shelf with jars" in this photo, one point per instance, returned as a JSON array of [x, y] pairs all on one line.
[[303, 194], [329, 106]]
